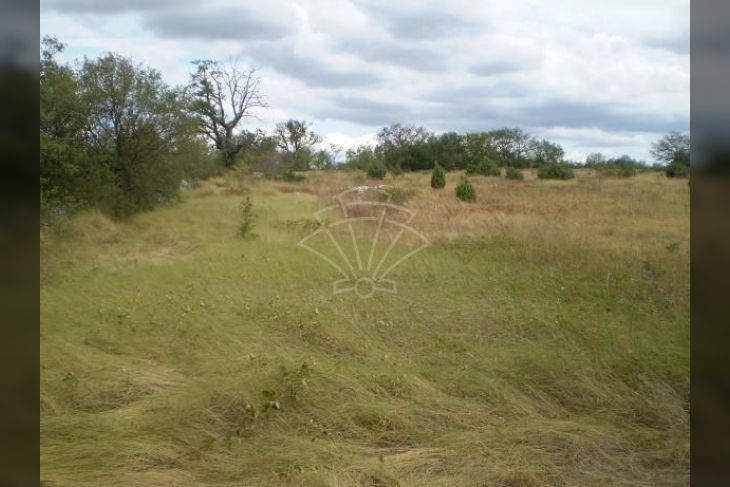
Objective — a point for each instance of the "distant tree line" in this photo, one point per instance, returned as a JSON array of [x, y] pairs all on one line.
[[114, 136], [410, 148]]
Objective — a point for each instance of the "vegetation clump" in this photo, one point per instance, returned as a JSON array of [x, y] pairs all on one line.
[[248, 218], [290, 176], [484, 167], [465, 191], [376, 170], [617, 171], [555, 171], [438, 177], [677, 170], [513, 173]]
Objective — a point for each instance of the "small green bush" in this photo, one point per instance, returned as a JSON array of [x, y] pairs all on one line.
[[485, 167], [465, 191], [513, 173], [248, 218], [438, 177], [677, 170], [555, 171], [376, 170]]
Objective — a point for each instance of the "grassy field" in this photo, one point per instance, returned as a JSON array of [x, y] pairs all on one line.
[[542, 340]]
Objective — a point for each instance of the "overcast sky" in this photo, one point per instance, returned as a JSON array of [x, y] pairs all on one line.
[[607, 76]]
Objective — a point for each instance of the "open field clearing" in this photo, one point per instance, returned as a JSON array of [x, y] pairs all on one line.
[[542, 340]]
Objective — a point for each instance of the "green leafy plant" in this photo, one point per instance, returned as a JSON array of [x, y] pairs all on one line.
[[438, 177], [555, 171], [465, 191], [513, 173]]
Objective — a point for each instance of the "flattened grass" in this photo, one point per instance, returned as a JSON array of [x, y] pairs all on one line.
[[542, 340]]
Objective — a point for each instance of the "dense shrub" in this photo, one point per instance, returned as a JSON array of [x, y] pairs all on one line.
[[465, 191], [616, 171], [438, 177], [376, 170], [677, 170], [513, 173], [484, 167], [555, 171]]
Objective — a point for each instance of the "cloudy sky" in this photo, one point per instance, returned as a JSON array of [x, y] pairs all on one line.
[[607, 76]]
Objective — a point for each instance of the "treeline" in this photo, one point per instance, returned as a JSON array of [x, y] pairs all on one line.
[[410, 148], [115, 136]]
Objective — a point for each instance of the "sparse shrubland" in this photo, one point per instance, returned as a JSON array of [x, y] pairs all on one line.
[[542, 340]]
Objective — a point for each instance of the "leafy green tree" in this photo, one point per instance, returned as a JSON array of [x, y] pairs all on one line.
[[134, 122], [478, 147], [222, 96], [446, 149], [512, 146], [68, 177], [295, 139], [404, 147], [545, 152], [438, 177], [362, 157]]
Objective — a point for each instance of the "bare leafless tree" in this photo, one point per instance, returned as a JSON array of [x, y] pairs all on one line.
[[222, 95]]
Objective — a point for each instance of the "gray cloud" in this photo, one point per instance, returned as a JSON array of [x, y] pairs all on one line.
[[419, 24], [109, 7], [309, 70], [363, 111], [492, 68], [414, 57], [229, 24], [475, 93], [613, 117]]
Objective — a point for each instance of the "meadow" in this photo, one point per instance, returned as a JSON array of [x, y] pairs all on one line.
[[542, 340]]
